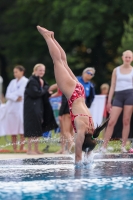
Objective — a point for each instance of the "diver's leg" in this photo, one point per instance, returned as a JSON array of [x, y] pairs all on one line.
[[65, 82]]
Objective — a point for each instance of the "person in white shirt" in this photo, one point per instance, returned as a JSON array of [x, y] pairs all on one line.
[[122, 86], [14, 107]]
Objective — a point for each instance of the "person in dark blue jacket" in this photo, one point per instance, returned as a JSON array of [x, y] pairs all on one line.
[[87, 74]]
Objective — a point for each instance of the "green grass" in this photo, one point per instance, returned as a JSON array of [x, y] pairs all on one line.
[[54, 145], [114, 146]]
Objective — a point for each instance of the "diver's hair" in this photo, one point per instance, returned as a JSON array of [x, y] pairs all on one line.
[[89, 141], [20, 68], [36, 67], [100, 128], [127, 51]]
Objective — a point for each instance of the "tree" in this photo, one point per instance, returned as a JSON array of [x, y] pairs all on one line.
[[127, 38], [89, 31]]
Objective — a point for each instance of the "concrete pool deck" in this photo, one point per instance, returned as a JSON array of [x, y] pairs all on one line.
[[98, 157], [6, 156]]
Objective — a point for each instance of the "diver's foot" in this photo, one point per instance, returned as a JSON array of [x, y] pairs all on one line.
[[44, 32]]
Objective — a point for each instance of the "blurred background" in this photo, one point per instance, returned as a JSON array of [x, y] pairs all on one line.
[[93, 34]]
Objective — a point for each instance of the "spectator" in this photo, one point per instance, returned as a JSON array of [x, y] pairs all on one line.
[[85, 80], [14, 106], [104, 88], [122, 85], [66, 127], [54, 87], [38, 113]]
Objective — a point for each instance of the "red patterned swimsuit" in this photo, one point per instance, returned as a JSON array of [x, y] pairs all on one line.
[[78, 92]]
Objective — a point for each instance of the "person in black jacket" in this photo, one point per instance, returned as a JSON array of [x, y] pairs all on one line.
[[38, 113], [87, 74]]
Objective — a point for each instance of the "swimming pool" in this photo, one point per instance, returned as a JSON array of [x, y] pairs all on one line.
[[108, 178]]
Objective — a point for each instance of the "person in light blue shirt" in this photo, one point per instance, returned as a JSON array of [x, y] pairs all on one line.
[[85, 80]]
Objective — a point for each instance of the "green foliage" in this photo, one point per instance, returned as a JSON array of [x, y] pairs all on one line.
[[89, 31], [127, 38]]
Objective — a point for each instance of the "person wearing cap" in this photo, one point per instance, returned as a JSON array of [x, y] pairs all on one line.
[[87, 74]]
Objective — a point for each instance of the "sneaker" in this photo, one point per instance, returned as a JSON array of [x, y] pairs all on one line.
[[123, 150]]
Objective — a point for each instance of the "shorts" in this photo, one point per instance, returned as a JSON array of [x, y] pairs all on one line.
[[123, 98], [64, 109]]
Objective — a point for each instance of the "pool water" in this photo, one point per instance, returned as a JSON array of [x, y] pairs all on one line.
[[109, 177]]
